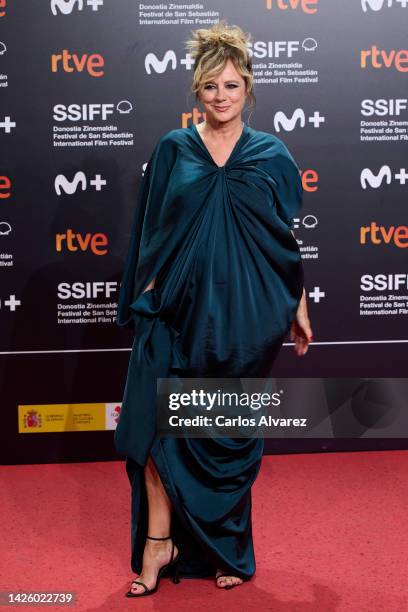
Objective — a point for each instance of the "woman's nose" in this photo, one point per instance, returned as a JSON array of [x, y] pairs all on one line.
[[220, 95]]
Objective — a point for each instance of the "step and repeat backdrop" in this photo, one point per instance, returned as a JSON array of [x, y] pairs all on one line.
[[87, 87]]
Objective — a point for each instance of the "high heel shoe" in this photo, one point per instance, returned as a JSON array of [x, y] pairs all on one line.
[[171, 563]]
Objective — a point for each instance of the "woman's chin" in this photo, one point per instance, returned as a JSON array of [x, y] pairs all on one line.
[[222, 117]]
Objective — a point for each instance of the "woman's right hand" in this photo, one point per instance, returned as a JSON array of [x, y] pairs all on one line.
[[301, 331]]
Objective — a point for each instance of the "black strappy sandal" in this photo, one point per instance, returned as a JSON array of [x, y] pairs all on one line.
[[172, 562], [228, 586]]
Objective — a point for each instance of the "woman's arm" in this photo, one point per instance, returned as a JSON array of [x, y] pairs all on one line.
[[301, 331]]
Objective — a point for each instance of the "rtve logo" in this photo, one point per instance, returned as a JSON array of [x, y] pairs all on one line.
[[5, 187], [379, 234], [3, 5], [380, 58], [65, 7], [307, 6], [369, 179], [77, 242], [377, 5], [280, 120], [310, 180], [62, 184], [70, 62], [382, 107]]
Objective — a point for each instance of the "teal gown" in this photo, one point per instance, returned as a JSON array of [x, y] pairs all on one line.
[[229, 279]]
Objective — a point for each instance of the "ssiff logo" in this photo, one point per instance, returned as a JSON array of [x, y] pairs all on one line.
[[90, 112], [261, 49], [32, 419], [382, 107]]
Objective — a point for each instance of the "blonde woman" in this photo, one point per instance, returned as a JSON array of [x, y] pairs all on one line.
[[212, 284]]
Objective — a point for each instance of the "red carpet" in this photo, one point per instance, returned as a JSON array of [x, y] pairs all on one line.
[[329, 530]]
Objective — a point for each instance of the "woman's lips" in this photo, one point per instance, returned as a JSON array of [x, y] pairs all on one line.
[[221, 109]]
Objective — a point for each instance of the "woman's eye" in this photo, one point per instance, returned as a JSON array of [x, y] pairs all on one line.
[[230, 86]]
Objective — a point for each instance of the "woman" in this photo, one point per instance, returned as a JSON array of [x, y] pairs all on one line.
[[212, 284]]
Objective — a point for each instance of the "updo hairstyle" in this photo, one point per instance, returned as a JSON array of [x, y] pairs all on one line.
[[211, 49]]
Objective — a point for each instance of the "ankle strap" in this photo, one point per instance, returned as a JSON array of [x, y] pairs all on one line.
[[152, 538]]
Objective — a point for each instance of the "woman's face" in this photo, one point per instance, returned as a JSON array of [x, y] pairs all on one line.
[[224, 96]]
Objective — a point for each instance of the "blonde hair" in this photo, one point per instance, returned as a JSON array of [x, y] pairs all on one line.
[[211, 49]]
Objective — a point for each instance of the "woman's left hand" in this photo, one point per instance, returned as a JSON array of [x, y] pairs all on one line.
[[301, 332]]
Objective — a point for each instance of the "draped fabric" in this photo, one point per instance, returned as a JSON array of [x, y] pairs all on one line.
[[229, 279]]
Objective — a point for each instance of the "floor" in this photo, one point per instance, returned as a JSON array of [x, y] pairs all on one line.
[[329, 532]]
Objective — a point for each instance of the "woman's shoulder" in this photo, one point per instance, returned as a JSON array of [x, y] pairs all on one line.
[[277, 149], [174, 136], [170, 141], [271, 146], [270, 139]]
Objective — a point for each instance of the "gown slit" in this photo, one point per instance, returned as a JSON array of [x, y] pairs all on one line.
[[197, 558]]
